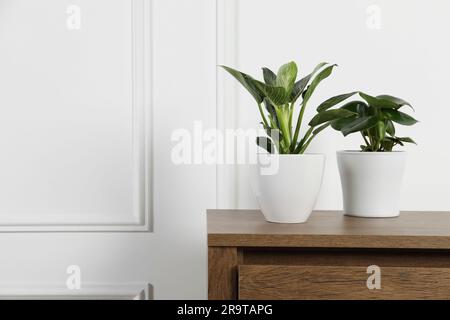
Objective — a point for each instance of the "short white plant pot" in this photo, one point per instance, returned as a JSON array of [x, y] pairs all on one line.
[[371, 182], [286, 186]]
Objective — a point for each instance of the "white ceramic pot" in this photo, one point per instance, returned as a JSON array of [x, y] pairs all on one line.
[[286, 186], [371, 182]]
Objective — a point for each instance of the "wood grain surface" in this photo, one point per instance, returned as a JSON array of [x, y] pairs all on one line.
[[330, 229], [330, 282], [222, 273]]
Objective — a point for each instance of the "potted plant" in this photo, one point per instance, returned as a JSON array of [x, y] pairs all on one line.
[[371, 178], [289, 194]]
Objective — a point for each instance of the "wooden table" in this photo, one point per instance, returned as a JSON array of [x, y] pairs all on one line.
[[331, 256]]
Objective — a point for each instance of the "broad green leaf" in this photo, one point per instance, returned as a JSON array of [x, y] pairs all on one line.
[[299, 88], [378, 102], [265, 143], [329, 115], [331, 102], [359, 124], [398, 101], [394, 140], [390, 128], [406, 139], [386, 101], [247, 81], [338, 124], [269, 76], [325, 73], [399, 117], [300, 85], [358, 107], [276, 95], [286, 76]]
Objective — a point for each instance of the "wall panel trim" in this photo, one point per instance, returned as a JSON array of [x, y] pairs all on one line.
[[140, 219], [88, 291], [226, 95]]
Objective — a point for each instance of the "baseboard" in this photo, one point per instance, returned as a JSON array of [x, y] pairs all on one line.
[[90, 291]]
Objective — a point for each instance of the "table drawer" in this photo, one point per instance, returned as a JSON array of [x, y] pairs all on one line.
[[341, 282]]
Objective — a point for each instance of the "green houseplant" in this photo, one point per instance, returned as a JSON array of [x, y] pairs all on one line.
[[371, 177], [276, 98], [289, 194], [373, 118]]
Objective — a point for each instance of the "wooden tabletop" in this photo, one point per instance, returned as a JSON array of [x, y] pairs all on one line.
[[330, 229]]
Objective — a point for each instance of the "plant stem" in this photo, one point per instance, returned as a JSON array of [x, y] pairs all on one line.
[[272, 124], [283, 121], [291, 112], [262, 115], [365, 139], [372, 141], [297, 127], [305, 146], [302, 142]]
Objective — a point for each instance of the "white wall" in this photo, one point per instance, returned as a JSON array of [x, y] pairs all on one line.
[[406, 57], [173, 257]]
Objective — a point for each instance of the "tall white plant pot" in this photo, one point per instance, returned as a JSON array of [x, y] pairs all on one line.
[[286, 186], [371, 182]]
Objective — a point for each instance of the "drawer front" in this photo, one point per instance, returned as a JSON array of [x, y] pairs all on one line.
[[341, 282]]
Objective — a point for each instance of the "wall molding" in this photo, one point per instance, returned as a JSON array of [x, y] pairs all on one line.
[[226, 96], [140, 219], [89, 291]]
